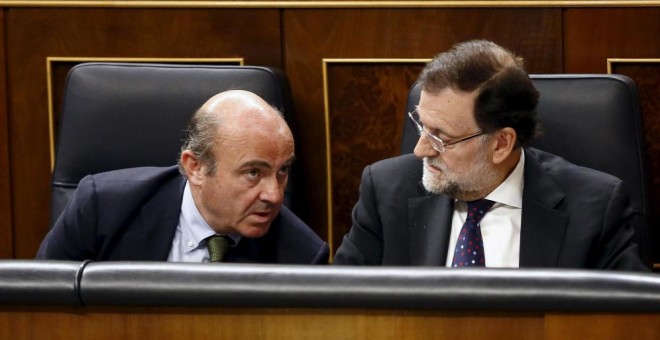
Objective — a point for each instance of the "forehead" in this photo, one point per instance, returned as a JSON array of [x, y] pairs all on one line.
[[264, 143], [449, 110]]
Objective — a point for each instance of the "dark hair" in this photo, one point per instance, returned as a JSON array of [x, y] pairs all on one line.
[[507, 97]]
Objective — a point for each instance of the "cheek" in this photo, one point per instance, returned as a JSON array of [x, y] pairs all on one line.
[[462, 158], [245, 198], [217, 196], [447, 161]]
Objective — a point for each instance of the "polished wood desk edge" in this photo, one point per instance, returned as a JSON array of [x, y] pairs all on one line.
[[328, 3], [300, 323]]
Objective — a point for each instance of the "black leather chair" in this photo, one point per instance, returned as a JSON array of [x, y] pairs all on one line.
[[593, 120], [122, 115]]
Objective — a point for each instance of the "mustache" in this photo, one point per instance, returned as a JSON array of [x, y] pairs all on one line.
[[265, 208], [435, 162]]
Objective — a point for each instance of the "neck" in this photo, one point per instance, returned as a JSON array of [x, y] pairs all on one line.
[[499, 173]]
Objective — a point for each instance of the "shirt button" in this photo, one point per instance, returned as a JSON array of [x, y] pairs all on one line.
[[190, 244]]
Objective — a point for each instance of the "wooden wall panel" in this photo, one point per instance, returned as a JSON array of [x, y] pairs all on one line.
[[647, 77], [552, 40], [6, 239], [365, 125], [35, 34], [591, 36], [313, 35]]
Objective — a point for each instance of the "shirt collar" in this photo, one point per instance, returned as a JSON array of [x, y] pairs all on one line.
[[510, 191], [194, 228]]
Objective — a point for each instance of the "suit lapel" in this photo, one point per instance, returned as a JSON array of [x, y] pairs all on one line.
[[249, 251], [429, 225], [156, 224], [543, 227]]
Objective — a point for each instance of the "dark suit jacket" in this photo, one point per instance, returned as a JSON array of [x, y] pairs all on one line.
[[132, 214], [572, 217]]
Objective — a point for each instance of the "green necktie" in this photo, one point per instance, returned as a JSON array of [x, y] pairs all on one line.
[[217, 246]]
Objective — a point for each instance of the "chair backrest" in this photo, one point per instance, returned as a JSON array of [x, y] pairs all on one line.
[[122, 115], [592, 120]]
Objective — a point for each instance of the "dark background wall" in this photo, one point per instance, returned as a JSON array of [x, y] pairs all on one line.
[[350, 69]]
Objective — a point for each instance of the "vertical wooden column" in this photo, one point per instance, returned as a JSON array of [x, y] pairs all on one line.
[[6, 234]]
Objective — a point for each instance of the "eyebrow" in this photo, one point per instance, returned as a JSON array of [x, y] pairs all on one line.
[[264, 164], [256, 164]]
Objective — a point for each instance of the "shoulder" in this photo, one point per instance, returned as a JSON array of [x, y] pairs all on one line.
[[402, 168], [295, 241], [131, 177], [400, 164], [132, 182], [141, 174], [293, 224], [567, 174]]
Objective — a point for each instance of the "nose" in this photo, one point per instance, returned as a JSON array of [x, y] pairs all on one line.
[[424, 148], [272, 191]]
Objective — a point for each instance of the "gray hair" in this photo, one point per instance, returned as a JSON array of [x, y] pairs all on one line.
[[201, 135], [200, 139]]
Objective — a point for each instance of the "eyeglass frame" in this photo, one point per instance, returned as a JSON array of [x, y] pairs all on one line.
[[436, 142]]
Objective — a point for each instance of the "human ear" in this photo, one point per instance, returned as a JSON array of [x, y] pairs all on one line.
[[192, 166], [505, 143]]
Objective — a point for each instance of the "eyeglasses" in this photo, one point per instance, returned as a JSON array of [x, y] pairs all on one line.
[[437, 144]]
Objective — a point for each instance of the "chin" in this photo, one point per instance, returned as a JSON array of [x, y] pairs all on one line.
[[433, 183], [254, 231]]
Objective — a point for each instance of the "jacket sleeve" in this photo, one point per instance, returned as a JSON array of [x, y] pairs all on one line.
[[616, 249], [73, 236], [363, 244]]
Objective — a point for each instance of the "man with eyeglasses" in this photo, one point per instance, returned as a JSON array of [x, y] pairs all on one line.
[[485, 199]]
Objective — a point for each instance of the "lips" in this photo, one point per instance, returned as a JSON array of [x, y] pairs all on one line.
[[263, 216], [433, 168]]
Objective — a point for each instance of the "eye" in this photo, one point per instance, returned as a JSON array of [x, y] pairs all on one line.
[[437, 134], [284, 170], [253, 173]]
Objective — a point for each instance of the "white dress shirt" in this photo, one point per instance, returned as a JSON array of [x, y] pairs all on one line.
[[500, 226], [189, 243]]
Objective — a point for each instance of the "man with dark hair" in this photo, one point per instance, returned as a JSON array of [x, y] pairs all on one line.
[[227, 206], [485, 198]]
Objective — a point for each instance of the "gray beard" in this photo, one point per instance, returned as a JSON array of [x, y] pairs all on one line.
[[465, 186]]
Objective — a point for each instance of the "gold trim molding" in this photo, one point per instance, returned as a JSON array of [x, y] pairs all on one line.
[[326, 105], [326, 3], [611, 61], [51, 60]]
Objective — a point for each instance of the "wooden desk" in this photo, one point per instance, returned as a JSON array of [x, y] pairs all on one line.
[[285, 323]]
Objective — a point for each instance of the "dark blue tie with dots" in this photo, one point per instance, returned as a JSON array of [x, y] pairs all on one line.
[[470, 246]]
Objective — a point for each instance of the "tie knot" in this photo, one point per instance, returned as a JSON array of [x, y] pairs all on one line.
[[477, 209], [217, 246]]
